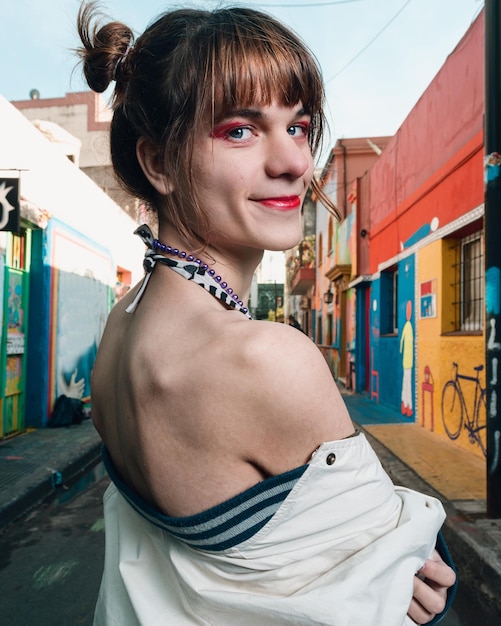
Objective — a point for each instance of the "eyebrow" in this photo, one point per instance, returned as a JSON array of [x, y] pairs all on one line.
[[252, 113]]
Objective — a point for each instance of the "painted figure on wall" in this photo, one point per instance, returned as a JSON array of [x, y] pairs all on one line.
[[407, 351], [427, 388], [71, 388], [15, 305]]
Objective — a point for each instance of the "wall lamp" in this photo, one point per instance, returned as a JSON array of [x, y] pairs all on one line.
[[328, 295]]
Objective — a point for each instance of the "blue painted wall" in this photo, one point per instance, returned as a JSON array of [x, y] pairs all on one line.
[[71, 296], [37, 372], [388, 350], [361, 339]]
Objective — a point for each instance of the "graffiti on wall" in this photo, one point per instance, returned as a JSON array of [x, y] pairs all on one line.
[[15, 313], [492, 298]]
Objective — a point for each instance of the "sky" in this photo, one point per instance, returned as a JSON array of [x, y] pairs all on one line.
[[377, 56]]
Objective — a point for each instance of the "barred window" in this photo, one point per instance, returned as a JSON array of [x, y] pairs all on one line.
[[469, 285]]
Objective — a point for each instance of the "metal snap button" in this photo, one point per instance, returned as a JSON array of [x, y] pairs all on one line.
[[331, 459]]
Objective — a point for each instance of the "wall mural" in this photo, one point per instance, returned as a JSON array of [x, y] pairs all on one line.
[[456, 416], [84, 278], [450, 398], [428, 299], [407, 352], [406, 340], [422, 232], [82, 313], [375, 335], [427, 391]]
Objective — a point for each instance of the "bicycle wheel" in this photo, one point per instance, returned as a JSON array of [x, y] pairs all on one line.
[[481, 423], [452, 409]]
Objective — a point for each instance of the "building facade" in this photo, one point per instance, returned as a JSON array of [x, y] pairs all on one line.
[[86, 117], [59, 266], [337, 252], [407, 269], [426, 251]]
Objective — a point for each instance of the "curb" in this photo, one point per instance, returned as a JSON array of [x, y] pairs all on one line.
[[44, 486]]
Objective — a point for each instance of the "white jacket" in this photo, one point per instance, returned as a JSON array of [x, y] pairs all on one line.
[[341, 550]]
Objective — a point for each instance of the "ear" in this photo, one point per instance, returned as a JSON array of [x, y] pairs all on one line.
[[152, 166]]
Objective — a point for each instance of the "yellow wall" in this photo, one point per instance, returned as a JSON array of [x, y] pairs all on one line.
[[438, 350]]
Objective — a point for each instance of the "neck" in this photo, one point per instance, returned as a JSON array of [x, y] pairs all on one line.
[[236, 266]]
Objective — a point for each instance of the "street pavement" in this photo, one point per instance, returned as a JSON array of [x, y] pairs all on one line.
[[46, 464]]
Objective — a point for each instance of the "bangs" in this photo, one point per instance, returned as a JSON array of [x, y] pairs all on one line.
[[249, 63], [259, 73]]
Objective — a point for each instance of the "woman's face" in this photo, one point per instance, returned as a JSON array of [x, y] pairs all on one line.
[[251, 172]]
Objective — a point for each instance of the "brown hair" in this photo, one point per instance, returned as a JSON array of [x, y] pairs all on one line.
[[187, 69]]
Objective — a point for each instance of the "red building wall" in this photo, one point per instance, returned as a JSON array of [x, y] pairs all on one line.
[[436, 157]]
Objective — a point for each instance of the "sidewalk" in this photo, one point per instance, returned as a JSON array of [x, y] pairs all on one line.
[[418, 459], [40, 465]]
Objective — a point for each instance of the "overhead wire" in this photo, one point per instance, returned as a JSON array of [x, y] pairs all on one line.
[[353, 59]]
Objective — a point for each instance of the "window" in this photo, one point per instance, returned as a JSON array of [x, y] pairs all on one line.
[[329, 330], [16, 254], [389, 302], [319, 330], [330, 239], [469, 284]]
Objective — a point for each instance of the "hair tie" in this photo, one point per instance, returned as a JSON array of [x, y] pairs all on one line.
[[120, 61]]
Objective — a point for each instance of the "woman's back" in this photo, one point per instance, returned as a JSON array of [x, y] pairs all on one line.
[[186, 389]]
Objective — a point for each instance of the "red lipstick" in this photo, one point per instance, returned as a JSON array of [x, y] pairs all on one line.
[[283, 203]]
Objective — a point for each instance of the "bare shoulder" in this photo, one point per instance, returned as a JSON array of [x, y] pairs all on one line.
[[295, 402], [280, 352]]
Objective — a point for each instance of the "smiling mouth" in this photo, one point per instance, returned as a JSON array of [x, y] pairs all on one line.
[[284, 203]]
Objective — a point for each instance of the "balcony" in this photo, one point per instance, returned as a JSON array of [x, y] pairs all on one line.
[[301, 267], [303, 281]]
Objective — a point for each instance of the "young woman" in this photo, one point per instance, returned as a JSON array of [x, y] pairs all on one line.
[[241, 493]]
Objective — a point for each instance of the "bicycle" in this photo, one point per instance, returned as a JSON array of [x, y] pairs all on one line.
[[455, 413]]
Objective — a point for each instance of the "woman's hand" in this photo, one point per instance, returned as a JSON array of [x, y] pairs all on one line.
[[430, 589]]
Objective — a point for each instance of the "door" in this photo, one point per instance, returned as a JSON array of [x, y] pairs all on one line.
[[14, 333]]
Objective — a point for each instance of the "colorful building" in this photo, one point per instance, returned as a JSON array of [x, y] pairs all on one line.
[[59, 267], [337, 253], [410, 250]]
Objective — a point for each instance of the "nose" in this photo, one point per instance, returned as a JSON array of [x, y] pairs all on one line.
[[287, 157]]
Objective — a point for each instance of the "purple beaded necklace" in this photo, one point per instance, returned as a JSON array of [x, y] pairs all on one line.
[[158, 245], [188, 266]]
